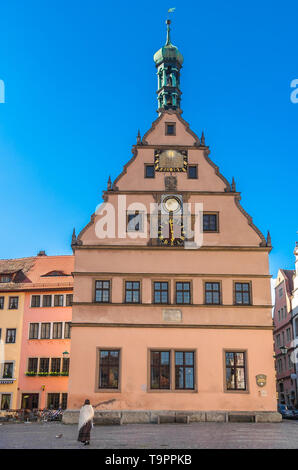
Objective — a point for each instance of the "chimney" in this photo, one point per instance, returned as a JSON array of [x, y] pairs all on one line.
[[41, 253]]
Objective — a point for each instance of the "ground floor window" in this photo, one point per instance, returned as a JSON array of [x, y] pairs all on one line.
[[64, 401], [109, 369], [235, 363], [5, 401], [160, 370], [183, 377], [53, 401]]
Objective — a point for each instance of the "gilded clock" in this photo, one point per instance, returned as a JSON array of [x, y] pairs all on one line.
[[170, 160]]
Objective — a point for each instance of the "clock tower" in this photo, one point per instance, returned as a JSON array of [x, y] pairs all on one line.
[[162, 324]]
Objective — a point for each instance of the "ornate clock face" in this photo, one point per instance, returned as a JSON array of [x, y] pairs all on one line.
[[172, 204], [171, 232], [170, 160]]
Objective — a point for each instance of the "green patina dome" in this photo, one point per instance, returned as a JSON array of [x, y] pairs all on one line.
[[168, 51]]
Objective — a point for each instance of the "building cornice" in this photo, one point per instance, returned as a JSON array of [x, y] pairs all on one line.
[[172, 248], [185, 306], [174, 275], [161, 325]]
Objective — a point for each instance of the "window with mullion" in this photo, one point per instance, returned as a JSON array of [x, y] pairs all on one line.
[[160, 370], [184, 370], [65, 364], [132, 292], [242, 293], [7, 370], [161, 292], [13, 303], [44, 363], [1, 303], [55, 364], [212, 293], [67, 330], [109, 363], [34, 330], [11, 335], [235, 370], [210, 222], [45, 332], [47, 300], [58, 300], [53, 401], [182, 292], [35, 301], [102, 291], [32, 364], [57, 330]]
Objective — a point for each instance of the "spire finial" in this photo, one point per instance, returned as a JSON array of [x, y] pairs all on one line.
[[203, 138], [139, 137], [233, 186], [268, 243], [168, 41], [109, 184], [73, 238]]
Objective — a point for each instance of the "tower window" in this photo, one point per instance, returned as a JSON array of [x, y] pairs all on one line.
[[170, 127], [149, 171], [193, 172]]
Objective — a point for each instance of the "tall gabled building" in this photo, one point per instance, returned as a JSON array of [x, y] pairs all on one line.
[[164, 319]]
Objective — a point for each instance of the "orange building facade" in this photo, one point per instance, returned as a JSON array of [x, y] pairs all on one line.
[[35, 363], [172, 303]]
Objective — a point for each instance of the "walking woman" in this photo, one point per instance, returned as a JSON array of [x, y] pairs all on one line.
[[85, 422]]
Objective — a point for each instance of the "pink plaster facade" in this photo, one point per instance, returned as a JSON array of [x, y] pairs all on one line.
[[49, 276], [236, 253]]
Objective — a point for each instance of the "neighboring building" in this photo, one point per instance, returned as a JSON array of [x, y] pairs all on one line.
[[283, 337], [157, 326], [36, 357], [295, 315], [12, 276]]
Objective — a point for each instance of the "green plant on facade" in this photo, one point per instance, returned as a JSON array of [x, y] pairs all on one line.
[[31, 373]]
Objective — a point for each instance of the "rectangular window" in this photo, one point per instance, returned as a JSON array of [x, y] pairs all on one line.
[[184, 370], [57, 330], [11, 335], [67, 330], [283, 338], [102, 291], [35, 301], [45, 331], [149, 171], [64, 401], [160, 370], [161, 292], [135, 221], [69, 299], [1, 303], [55, 364], [170, 128], [242, 293], [13, 303], [212, 293], [44, 364], [210, 222], [235, 370], [278, 315], [278, 341], [192, 172], [5, 278], [132, 292], [290, 363], [8, 370], [33, 330], [53, 401], [58, 300], [288, 335], [32, 364], [109, 369], [280, 292], [65, 364], [182, 292], [46, 300], [5, 401]]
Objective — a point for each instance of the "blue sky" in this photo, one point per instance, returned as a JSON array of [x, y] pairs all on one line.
[[69, 65]]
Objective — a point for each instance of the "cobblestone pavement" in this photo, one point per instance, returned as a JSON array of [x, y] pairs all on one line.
[[166, 436]]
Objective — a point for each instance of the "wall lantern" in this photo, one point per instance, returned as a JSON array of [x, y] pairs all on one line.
[[283, 350], [65, 354]]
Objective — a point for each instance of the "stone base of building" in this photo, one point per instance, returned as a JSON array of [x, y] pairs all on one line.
[[162, 417]]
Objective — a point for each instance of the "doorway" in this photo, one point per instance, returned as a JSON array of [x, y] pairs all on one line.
[[30, 400]]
